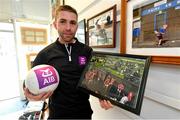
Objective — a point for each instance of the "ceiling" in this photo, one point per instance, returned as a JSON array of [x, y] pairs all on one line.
[[80, 5], [37, 9], [28, 9]]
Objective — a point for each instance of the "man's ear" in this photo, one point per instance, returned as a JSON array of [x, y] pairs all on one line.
[[54, 23]]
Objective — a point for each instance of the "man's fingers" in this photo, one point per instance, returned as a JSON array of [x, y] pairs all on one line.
[[47, 95], [38, 97], [105, 104]]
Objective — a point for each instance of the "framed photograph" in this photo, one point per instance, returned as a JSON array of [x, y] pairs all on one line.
[[30, 58], [153, 29], [101, 29], [54, 5], [81, 31], [119, 78], [35, 36]]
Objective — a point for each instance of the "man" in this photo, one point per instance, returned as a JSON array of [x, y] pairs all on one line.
[[160, 33], [121, 91], [66, 55]]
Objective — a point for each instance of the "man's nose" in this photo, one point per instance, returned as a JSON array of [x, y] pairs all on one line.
[[68, 26]]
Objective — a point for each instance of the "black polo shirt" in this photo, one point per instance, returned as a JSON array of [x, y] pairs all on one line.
[[67, 101]]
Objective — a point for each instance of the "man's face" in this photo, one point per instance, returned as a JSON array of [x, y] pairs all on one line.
[[66, 25], [120, 86]]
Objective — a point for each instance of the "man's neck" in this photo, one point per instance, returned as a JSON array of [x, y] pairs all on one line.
[[64, 42]]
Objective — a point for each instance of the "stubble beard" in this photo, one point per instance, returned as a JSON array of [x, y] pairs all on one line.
[[66, 39]]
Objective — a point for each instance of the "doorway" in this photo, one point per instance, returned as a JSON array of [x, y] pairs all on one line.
[[9, 87]]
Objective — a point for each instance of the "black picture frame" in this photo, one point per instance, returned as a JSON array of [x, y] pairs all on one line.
[[119, 78], [81, 31]]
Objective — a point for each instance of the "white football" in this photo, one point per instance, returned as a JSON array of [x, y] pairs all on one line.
[[42, 78]]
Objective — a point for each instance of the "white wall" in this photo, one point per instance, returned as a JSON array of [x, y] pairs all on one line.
[[163, 84], [162, 93]]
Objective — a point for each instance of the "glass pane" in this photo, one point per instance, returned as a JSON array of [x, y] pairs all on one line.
[[30, 33], [39, 33], [30, 38], [40, 39]]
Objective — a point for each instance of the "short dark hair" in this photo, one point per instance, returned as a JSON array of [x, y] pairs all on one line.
[[64, 8]]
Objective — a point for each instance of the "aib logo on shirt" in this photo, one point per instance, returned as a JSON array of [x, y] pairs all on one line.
[[46, 76], [82, 60]]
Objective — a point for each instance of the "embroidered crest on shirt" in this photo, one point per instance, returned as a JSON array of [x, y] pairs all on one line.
[[82, 60]]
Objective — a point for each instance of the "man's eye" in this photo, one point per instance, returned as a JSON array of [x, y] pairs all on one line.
[[73, 23], [62, 21]]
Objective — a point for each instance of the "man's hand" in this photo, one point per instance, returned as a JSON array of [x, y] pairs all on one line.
[[42, 96], [105, 104]]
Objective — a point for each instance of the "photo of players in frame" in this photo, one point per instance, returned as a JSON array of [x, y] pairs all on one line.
[[120, 78], [157, 24]]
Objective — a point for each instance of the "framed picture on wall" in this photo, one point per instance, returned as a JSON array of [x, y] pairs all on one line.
[[30, 58], [81, 31], [152, 25], [101, 29], [54, 5], [119, 78], [35, 36], [153, 29]]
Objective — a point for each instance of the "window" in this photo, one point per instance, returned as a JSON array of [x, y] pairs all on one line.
[[33, 35]]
